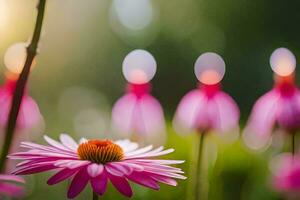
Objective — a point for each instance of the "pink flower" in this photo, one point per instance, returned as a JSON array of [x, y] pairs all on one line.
[[206, 108], [280, 106], [29, 114], [8, 186], [286, 173], [97, 162], [139, 112]]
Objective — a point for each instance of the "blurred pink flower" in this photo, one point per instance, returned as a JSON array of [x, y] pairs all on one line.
[[8, 186], [206, 108], [97, 162], [286, 173], [29, 114], [137, 112], [280, 106]]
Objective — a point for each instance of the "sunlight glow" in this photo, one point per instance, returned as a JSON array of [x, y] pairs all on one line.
[[15, 57], [134, 14], [283, 62], [139, 67], [209, 68]]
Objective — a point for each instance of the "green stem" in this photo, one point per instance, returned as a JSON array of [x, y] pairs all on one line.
[[198, 187], [95, 196], [293, 143], [21, 84]]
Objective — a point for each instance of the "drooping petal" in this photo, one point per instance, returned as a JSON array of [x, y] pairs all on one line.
[[78, 183], [5, 177], [288, 114], [191, 113], [121, 184], [150, 119], [223, 113], [99, 184], [122, 114], [143, 179], [262, 120], [61, 176], [11, 190], [29, 113]]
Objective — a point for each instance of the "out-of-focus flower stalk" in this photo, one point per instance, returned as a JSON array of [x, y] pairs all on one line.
[[198, 187], [21, 84]]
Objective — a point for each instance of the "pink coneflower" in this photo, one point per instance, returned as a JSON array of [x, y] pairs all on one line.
[[280, 106], [97, 162], [138, 114], [29, 114], [286, 174], [9, 186], [206, 108]]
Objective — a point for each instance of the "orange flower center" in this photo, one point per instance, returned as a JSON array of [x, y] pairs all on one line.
[[100, 151]]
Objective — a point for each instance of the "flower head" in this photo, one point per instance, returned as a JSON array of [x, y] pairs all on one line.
[[138, 112], [280, 106], [286, 173], [208, 107], [29, 114], [97, 162], [9, 186]]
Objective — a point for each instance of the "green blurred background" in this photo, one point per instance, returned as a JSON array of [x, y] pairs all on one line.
[[78, 74]]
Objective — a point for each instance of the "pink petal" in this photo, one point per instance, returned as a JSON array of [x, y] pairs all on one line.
[[11, 190], [142, 115], [121, 184], [143, 179], [78, 183], [223, 113], [191, 113], [151, 116], [261, 121], [12, 178], [95, 169], [99, 184], [289, 111], [29, 114], [164, 179], [68, 142], [61, 176], [122, 113]]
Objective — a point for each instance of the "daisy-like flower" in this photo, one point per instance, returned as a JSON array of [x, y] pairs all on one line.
[[279, 106], [97, 162], [9, 186]]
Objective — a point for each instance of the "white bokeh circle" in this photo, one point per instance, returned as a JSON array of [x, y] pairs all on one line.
[[15, 57], [283, 61], [139, 67], [209, 68]]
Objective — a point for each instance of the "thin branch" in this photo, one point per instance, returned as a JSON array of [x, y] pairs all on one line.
[[21, 84]]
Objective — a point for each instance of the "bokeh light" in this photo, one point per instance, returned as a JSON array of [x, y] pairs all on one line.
[[283, 62], [139, 67], [134, 14], [209, 68], [15, 57], [134, 21]]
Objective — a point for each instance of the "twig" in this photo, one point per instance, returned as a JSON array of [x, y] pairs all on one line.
[[21, 84]]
